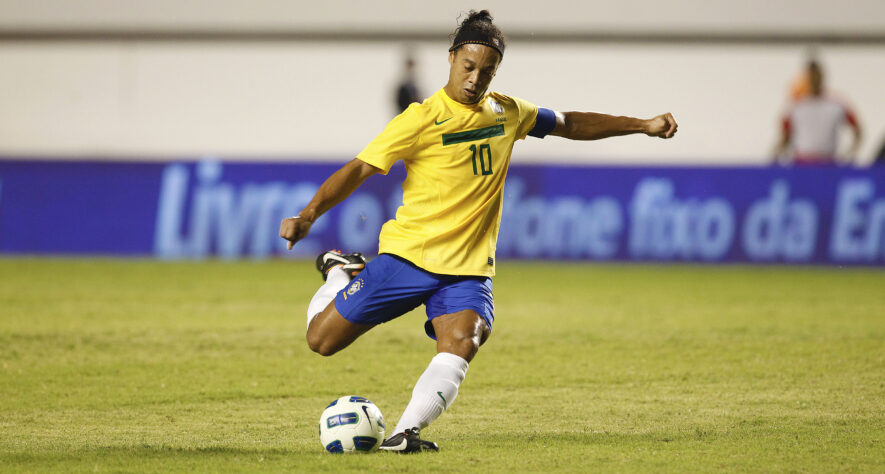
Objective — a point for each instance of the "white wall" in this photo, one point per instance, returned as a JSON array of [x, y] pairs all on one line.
[[325, 100], [410, 15]]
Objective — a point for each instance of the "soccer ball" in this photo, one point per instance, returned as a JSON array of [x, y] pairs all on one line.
[[351, 424]]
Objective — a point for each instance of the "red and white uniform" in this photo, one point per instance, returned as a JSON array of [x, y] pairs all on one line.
[[813, 124]]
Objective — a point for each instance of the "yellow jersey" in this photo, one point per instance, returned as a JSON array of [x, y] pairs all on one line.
[[456, 157]]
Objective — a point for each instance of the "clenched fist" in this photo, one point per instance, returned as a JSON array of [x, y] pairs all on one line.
[[663, 126]]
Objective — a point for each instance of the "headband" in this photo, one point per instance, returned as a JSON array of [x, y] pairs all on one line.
[[477, 37]]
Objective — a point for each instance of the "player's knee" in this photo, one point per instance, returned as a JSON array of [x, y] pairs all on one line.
[[466, 347], [463, 341], [484, 335], [320, 345]]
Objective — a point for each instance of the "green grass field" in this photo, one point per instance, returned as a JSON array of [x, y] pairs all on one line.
[[142, 366]]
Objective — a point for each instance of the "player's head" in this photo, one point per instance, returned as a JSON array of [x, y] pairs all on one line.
[[477, 50], [815, 78]]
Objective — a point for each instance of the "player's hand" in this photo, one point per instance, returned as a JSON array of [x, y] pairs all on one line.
[[294, 229], [663, 126]]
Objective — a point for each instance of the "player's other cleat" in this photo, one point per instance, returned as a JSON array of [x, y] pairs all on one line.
[[352, 264], [407, 442]]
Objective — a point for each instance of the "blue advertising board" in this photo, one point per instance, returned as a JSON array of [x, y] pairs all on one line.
[[192, 210]]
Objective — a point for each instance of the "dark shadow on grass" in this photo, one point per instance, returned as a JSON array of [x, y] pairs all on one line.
[[307, 458]]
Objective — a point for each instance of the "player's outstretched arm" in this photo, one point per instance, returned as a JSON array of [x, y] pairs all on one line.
[[335, 189], [593, 126]]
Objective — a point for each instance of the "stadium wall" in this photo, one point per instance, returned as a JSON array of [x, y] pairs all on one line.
[[275, 101], [396, 15], [212, 209], [273, 80]]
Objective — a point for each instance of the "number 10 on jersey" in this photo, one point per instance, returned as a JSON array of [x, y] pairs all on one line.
[[485, 158]]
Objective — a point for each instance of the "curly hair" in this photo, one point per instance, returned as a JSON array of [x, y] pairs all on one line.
[[478, 28]]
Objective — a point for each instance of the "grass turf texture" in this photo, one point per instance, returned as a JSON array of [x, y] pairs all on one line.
[[140, 366]]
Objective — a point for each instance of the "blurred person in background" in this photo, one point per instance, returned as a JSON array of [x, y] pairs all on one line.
[[407, 90], [810, 128], [801, 86], [439, 251]]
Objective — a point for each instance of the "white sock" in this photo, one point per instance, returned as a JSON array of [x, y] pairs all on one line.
[[336, 279], [434, 392]]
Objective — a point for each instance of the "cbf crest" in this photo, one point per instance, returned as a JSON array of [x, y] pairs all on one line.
[[496, 107], [355, 286]]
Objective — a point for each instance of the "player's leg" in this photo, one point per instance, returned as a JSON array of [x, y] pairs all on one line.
[[459, 335], [337, 269], [386, 288], [327, 331]]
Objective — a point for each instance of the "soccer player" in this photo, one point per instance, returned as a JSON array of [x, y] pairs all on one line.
[[810, 128], [440, 249]]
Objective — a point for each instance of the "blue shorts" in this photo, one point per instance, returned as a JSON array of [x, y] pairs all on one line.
[[391, 286]]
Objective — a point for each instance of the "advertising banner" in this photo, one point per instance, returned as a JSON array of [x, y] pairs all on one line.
[[203, 209]]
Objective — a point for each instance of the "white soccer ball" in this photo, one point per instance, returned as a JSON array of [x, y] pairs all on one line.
[[351, 424]]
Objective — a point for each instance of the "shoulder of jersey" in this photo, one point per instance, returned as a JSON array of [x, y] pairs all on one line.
[[500, 98], [428, 107], [415, 107]]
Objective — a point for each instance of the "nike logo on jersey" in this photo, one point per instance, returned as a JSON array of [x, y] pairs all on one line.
[[443, 399], [444, 121]]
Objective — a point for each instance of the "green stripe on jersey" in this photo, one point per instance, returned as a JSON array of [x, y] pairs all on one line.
[[472, 135]]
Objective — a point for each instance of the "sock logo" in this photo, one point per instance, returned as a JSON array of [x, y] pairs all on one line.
[[443, 399]]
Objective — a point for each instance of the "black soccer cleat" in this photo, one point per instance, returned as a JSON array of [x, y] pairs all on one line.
[[408, 442], [352, 264]]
